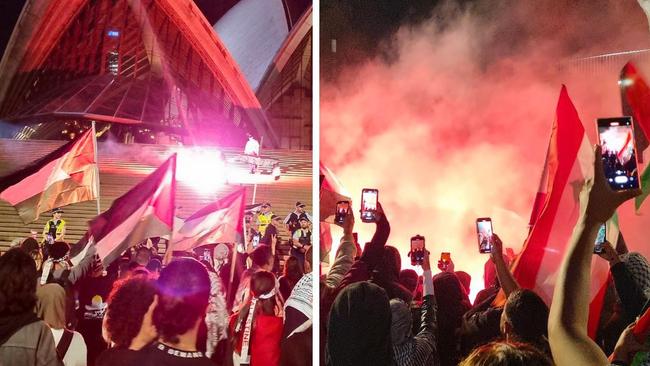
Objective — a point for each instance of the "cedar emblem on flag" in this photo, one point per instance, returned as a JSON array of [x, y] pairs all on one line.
[[65, 176]]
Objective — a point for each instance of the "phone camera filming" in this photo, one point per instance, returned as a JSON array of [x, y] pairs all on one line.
[[484, 231], [417, 250], [342, 208], [618, 152], [369, 205]]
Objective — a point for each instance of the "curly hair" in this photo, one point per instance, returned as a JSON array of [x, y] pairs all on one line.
[[127, 304], [527, 314], [183, 294], [506, 354], [17, 282], [293, 269]]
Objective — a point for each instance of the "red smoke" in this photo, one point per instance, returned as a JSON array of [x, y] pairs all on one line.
[[452, 130]]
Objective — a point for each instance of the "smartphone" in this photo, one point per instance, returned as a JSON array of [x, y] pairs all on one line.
[[600, 239], [256, 240], [484, 232], [342, 208], [619, 155], [369, 197], [417, 250], [445, 258]]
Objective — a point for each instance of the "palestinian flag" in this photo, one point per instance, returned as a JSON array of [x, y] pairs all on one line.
[[147, 210], [218, 222], [65, 176]]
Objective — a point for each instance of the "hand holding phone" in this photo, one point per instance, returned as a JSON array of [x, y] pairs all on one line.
[[445, 263], [618, 152], [369, 204], [342, 210], [417, 250], [484, 232], [497, 248]]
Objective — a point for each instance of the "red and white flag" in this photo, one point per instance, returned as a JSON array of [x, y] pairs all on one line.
[[331, 192], [569, 162], [65, 176], [218, 222], [145, 211], [636, 103]]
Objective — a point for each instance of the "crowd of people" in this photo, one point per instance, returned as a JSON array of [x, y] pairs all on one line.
[[374, 313], [146, 309]]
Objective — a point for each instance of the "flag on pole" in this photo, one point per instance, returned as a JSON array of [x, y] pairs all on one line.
[[147, 210], [65, 176], [569, 162], [218, 222]]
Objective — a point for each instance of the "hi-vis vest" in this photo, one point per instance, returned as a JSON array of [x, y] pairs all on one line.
[[49, 228]]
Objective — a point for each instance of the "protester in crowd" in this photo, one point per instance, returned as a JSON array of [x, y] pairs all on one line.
[[409, 279], [359, 327], [256, 330], [297, 345], [421, 348], [292, 274], [31, 247], [216, 317], [264, 218], [24, 339], [301, 240], [465, 280], [292, 221], [452, 302], [507, 354], [567, 326], [128, 318], [51, 307], [154, 267], [183, 297], [93, 292], [142, 256], [262, 259]]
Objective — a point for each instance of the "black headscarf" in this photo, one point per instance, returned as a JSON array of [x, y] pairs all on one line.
[[359, 327], [452, 303]]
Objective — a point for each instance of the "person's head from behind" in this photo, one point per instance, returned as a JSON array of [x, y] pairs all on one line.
[[31, 247], [524, 317], [262, 257], [51, 305], [506, 354], [154, 266], [130, 310], [142, 256], [59, 253], [263, 288], [391, 263], [409, 279], [292, 269], [359, 326], [465, 280], [17, 283], [183, 293]]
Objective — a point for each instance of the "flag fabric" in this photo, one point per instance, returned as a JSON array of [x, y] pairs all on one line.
[[147, 210], [331, 192], [645, 181], [569, 162], [65, 176], [635, 96], [218, 222]]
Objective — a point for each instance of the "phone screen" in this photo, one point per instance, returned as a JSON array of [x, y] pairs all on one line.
[[417, 250], [600, 239], [256, 240], [616, 137], [484, 232], [369, 204], [342, 208]]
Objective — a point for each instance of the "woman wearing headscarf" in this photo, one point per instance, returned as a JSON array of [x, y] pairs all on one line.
[[452, 303], [359, 327], [297, 335], [256, 330], [51, 307]]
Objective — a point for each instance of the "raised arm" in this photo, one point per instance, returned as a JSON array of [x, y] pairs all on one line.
[[506, 279], [374, 251], [567, 327], [344, 255]]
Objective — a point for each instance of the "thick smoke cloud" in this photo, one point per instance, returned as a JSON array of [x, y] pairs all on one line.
[[456, 125]]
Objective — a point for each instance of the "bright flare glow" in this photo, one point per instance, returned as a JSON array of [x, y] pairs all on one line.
[[202, 168]]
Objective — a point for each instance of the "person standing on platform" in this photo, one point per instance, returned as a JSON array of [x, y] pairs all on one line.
[[301, 241], [54, 230], [264, 218], [292, 221]]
